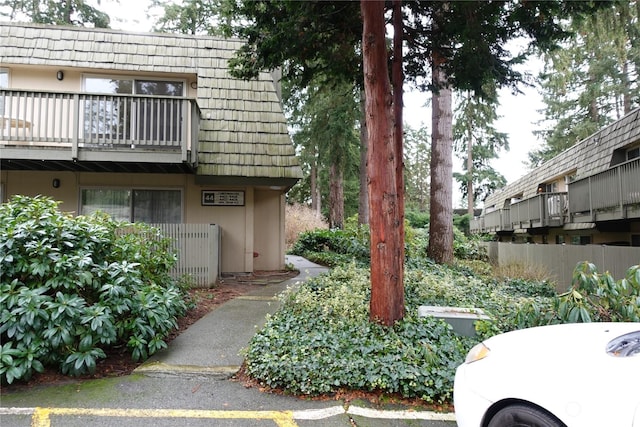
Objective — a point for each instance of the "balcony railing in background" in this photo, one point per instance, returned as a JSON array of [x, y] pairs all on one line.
[[98, 121], [608, 195], [542, 210]]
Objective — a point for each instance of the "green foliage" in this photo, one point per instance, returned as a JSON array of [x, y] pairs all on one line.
[[72, 287], [322, 340], [417, 219], [334, 247], [70, 12], [588, 83], [592, 297]]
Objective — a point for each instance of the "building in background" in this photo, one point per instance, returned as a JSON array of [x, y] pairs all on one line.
[[147, 127], [588, 194]]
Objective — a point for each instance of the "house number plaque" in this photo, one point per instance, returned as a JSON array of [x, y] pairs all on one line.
[[222, 198]]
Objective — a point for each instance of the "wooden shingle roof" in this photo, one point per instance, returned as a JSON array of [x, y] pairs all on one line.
[[588, 157], [243, 132]]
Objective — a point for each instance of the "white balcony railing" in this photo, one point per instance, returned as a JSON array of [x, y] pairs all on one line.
[[98, 121]]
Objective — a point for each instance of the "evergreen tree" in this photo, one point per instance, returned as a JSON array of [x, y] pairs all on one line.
[[189, 17], [592, 81], [55, 12], [416, 164], [324, 124], [477, 142]]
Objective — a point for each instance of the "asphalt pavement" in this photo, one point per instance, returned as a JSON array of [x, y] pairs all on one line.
[[190, 384]]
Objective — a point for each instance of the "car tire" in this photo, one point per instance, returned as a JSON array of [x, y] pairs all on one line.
[[520, 415]]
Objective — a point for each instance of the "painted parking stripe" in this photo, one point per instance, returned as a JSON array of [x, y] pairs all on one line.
[[42, 416], [400, 415]]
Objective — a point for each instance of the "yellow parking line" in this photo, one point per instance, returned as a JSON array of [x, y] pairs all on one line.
[[41, 416]]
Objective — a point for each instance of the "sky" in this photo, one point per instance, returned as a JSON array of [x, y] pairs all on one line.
[[518, 113]]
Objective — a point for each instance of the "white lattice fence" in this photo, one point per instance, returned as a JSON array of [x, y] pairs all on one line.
[[198, 247]]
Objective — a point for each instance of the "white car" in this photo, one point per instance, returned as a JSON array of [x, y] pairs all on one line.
[[571, 375]]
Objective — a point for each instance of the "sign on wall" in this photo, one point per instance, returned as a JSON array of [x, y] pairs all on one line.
[[222, 198]]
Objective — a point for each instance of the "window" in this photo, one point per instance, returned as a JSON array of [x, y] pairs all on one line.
[[134, 205], [633, 153], [113, 115], [581, 240]]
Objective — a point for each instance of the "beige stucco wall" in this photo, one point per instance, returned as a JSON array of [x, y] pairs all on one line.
[[269, 241], [44, 78], [263, 210]]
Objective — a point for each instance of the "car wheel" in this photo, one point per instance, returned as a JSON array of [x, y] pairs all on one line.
[[523, 416]]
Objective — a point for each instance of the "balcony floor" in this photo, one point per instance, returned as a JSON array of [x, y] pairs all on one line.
[[95, 166]]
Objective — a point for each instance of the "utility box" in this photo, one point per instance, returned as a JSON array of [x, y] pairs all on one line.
[[462, 320]]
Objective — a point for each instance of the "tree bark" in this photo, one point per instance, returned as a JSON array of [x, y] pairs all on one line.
[[336, 197], [363, 200], [387, 291], [313, 184], [398, 130], [440, 247]]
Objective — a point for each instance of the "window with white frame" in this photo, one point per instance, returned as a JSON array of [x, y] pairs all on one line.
[[152, 206], [114, 116]]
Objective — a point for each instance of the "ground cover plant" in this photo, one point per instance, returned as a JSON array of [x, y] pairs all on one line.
[[72, 287], [321, 340]]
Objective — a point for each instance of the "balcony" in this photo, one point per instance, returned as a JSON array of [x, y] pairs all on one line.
[[610, 195], [81, 131], [542, 210]]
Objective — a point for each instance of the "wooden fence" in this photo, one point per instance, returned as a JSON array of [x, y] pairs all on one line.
[[198, 247], [560, 260]]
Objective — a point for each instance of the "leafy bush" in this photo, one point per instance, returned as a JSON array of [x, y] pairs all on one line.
[[417, 219], [72, 287], [334, 247], [468, 248], [591, 297]]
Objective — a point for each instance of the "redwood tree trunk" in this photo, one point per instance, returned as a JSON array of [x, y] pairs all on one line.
[[398, 132], [441, 207], [387, 242]]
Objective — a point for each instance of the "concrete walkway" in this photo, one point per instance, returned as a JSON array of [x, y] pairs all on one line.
[[211, 346]]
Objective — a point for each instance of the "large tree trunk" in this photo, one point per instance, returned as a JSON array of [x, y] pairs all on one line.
[[398, 130], [363, 200], [440, 247], [387, 291], [313, 185], [336, 197]]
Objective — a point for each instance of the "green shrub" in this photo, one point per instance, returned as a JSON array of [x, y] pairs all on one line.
[[417, 219], [592, 297], [334, 247], [72, 287], [468, 248]]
